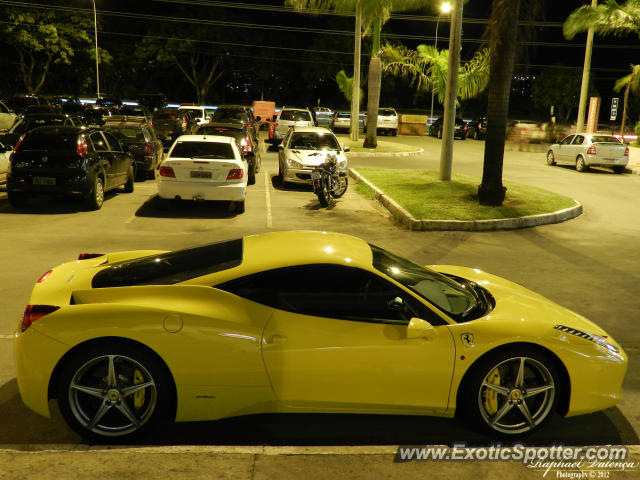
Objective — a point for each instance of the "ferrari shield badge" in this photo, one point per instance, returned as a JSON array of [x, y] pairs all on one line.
[[467, 339]]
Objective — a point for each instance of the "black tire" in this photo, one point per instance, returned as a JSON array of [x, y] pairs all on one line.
[[476, 135], [151, 174], [251, 179], [619, 169], [394, 133], [439, 134], [324, 197], [111, 408], [551, 159], [130, 185], [524, 396], [96, 197], [239, 206], [581, 165], [343, 188], [17, 199], [283, 184]]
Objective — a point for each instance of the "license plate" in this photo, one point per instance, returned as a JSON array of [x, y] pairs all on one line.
[[44, 181], [200, 174], [315, 175]]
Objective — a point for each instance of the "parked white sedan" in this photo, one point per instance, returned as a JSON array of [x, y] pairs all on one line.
[[204, 167], [305, 148], [4, 163], [590, 150]]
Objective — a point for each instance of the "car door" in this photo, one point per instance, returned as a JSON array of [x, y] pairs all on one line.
[[119, 161], [576, 148], [338, 339], [101, 157], [563, 151]]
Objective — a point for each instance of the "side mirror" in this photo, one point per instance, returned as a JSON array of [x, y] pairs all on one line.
[[346, 149], [419, 328], [280, 146]]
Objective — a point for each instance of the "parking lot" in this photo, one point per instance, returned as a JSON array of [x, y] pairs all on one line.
[[588, 264]]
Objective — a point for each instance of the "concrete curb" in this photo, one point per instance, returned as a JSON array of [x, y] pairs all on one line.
[[408, 221], [382, 154], [633, 169]]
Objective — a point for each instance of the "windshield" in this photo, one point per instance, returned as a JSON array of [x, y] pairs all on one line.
[[126, 134], [230, 116], [449, 296], [202, 150], [604, 139], [295, 116], [313, 141]]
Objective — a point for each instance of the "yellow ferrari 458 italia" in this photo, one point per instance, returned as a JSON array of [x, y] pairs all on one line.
[[301, 322]]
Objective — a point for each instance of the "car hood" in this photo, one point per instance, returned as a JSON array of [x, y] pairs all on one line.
[[520, 308], [313, 157]]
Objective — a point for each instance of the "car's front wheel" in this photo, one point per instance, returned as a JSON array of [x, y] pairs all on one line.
[[130, 184], [512, 392], [551, 159], [17, 199], [114, 392]]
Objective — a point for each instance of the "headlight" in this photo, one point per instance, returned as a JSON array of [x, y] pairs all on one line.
[[293, 164]]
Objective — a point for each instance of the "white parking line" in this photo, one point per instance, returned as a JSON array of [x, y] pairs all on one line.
[[268, 195], [6, 337]]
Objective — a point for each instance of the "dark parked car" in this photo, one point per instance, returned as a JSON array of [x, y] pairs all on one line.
[[20, 102], [478, 128], [71, 161], [237, 115], [137, 136], [108, 102], [31, 121], [460, 130], [248, 146], [169, 123]]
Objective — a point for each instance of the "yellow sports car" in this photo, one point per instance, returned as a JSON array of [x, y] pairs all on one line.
[[301, 322]]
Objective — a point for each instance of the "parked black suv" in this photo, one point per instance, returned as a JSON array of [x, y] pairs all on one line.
[[237, 115], [137, 136], [70, 161]]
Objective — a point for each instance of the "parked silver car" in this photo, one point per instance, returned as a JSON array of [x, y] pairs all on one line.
[[590, 150], [291, 117], [7, 117], [387, 121]]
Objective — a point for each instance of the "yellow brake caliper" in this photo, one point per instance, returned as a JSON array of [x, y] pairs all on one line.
[[138, 397], [491, 396]]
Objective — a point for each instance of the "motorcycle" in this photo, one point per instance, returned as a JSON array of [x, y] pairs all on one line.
[[329, 181]]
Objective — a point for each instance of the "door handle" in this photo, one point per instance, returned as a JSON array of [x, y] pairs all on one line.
[[277, 339]]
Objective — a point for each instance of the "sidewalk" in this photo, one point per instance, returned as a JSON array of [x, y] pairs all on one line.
[[634, 160]]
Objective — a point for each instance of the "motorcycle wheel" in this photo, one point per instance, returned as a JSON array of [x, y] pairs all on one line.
[[344, 183], [323, 191]]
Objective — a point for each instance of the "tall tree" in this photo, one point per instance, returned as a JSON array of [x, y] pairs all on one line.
[[631, 84], [43, 38], [345, 84], [427, 68], [503, 25], [559, 87], [609, 18]]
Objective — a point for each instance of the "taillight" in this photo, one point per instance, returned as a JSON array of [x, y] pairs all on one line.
[[246, 145], [17, 145], [235, 174], [33, 313], [167, 172], [81, 147], [44, 277], [85, 256], [626, 152], [184, 124], [591, 150], [147, 150]]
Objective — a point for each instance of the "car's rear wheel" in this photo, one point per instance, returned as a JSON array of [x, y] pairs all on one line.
[[96, 197], [239, 206], [439, 134], [476, 135], [551, 159], [394, 132], [114, 392], [619, 169], [512, 392], [130, 185], [151, 174], [17, 199], [581, 165]]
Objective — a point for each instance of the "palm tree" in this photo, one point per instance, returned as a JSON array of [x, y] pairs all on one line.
[[427, 68], [503, 32], [609, 18], [630, 83], [373, 15], [345, 84]]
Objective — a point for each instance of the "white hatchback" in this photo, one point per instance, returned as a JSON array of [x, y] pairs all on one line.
[[204, 167]]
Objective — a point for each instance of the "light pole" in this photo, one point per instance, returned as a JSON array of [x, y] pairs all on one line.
[[95, 25], [444, 9]]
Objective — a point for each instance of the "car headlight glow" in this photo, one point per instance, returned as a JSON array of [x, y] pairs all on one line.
[[294, 164], [592, 337]]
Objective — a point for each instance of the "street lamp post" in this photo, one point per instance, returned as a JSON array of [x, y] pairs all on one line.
[[444, 9], [95, 25]]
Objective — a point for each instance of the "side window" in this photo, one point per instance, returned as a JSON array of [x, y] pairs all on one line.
[[113, 142], [3, 108], [579, 140], [150, 134], [99, 144], [567, 140], [331, 291]]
